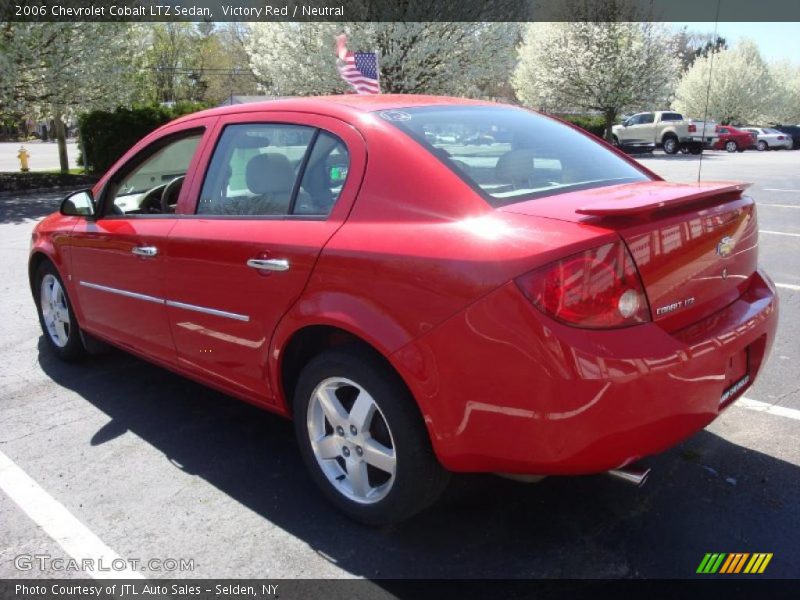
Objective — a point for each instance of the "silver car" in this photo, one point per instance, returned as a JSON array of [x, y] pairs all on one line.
[[770, 139]]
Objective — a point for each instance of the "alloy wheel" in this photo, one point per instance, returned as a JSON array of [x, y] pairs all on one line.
[[351, 440], [55, 312]]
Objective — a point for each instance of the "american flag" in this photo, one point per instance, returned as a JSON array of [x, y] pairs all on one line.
[[359, 69]]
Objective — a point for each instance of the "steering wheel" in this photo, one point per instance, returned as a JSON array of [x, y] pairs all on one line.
[[171, 189], [151, 203]]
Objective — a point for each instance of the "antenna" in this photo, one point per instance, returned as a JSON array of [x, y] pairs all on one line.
[[708, 89]]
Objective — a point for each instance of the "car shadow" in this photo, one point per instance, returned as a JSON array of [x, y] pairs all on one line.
[[706, 495], [19, 208]]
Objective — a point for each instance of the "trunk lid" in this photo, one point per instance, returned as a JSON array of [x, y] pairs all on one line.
[[694, 245]]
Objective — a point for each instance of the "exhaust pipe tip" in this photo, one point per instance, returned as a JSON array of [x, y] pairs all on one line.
[[630, 475]]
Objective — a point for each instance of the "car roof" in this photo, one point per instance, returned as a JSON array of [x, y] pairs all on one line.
[[339, 105]]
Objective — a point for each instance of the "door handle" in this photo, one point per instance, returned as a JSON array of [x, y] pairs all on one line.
[[269, 264], [144, 250]]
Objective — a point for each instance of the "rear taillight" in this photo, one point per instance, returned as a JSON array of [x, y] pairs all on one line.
[[598, 288], [780, 137], [692, 128]]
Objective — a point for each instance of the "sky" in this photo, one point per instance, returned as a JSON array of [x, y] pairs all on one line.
[[776, 41]]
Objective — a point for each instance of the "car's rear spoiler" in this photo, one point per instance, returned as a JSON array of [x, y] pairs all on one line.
[[629, 201]]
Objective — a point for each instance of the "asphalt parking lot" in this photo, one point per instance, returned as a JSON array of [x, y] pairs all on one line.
[[150, 465]]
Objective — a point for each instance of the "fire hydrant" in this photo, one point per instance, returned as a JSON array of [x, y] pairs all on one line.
[[23, 157]]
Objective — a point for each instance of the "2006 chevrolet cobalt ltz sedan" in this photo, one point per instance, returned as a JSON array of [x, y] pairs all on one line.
[[537, 304]]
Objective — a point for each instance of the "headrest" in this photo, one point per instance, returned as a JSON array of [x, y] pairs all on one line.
[[269, 173], [515, 166]]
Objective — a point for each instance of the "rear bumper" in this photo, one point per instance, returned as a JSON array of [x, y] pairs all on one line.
[[504, 388]]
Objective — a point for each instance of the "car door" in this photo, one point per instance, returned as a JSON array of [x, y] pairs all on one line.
[[630, 133], [646, 128], [118, 258], [276, 188]]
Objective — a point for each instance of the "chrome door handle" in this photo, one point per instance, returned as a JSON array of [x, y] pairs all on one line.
[[144, 250], [269, 264]]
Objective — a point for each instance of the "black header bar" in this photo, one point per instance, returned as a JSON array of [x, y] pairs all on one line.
[[400, 10]]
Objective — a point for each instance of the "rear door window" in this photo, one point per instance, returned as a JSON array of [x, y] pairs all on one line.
[[270, 169]]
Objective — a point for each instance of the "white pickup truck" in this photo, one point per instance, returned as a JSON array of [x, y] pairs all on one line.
[[665, 129]]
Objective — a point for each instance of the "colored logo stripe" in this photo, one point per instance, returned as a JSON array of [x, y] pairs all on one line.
[[711, 563], [758, 563], [721, 562], [734, 563]]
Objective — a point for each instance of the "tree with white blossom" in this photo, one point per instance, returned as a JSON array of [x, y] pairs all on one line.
[[52, 70], [607, 67], [736, 85], [421, 57], [785, 109]]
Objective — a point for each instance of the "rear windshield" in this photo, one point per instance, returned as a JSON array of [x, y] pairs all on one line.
[[509, 154]]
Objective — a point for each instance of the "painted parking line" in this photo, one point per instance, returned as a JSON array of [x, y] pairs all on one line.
[[788, 286], [772, 409], [760, 204], [778, 233], [60, 524], [781, 190]]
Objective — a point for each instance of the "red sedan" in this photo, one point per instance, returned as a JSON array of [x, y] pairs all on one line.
[[733, 140], [538, 305]]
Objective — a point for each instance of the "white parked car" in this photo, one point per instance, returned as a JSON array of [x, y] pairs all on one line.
[[770, 139]]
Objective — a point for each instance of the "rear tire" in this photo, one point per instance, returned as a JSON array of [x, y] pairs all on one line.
[[59, 325], [696, 149], [670, 144], [371, 454], [731, 146]]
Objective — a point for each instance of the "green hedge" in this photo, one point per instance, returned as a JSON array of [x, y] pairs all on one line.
[[592, 124], [108, 135]]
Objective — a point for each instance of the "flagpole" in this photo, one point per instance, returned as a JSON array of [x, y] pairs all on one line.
[[378, 69]]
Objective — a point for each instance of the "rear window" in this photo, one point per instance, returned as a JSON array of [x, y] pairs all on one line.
[[671, 117], [510, 155]]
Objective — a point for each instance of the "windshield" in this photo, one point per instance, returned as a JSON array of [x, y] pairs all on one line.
[[510, 154]]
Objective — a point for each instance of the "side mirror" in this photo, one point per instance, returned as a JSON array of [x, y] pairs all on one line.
[[78, 204]]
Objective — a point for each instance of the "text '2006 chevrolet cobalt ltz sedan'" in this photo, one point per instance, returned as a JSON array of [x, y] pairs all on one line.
[[537, 304]]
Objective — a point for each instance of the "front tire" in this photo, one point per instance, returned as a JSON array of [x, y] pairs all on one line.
[[762, 146], [362, 438], [59, 325]]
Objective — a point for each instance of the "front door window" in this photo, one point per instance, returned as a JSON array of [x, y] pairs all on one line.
[[154, 185]]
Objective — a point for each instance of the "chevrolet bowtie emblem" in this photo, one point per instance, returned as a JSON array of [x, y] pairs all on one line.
[[725, 246]]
